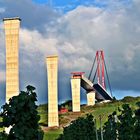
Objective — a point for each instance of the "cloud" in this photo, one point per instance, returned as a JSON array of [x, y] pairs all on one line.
[[75, 37], [33, 15], [81, 32], [35, 42]]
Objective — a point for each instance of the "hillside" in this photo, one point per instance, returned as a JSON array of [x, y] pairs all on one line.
[[103, 109]]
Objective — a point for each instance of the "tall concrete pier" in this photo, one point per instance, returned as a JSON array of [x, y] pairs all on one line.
[[52, 72], [75, 87], [11, 26]]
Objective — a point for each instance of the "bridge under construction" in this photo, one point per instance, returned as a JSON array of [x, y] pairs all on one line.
[[96, 87]]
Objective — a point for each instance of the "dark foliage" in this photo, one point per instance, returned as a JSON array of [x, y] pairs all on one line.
[[137, 123], [126, 123], [3, 136], [21, 114], [110, 127], [80, 129], [125, 126]]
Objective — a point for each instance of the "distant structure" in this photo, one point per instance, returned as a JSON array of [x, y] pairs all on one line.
[[11, 26], [52, 72]]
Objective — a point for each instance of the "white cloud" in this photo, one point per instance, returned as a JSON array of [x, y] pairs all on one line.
[[79, 33], [34, 42], [86, 29]]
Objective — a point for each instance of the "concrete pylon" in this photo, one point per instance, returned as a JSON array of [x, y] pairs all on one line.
[[91, 98], [52, 72], [75, 87], [11, 26]]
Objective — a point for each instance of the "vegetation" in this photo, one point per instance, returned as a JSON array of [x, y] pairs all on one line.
[[125, 126], [52, 134], [80, 129], [104, 110], [97, 110], [21, 115], [43, 112]]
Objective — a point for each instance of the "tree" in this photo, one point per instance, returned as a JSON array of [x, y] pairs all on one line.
[[110, 127], [126, 123], [21, 114], [80, 129], [137, 123], [125, 126], [3, 136]]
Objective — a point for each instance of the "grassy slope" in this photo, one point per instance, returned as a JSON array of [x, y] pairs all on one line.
[[52, 135], [99, 109]]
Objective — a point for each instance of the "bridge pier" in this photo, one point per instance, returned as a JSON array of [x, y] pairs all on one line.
[[75, 87], [52, 72], [91, 98]]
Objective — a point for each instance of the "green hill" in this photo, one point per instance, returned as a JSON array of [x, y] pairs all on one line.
[[103, 109]]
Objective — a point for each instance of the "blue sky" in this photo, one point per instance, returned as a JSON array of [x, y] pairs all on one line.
[[65, 5], [74, 30], [71, 4], [61, 2]]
